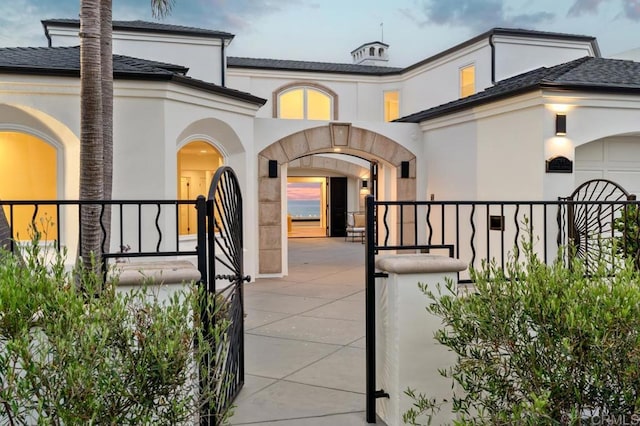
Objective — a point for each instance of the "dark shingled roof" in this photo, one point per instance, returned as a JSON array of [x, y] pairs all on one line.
[[144, 26], [39, 60], [287, 65], [65, 62], [279, 64], [587, 74]]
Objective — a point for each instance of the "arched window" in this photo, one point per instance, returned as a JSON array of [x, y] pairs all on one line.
[[380, 52], [28, 171], [197, 163], [296, 102], [372, 51]]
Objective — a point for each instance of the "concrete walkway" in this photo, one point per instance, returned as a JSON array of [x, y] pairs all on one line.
[[305, 358]]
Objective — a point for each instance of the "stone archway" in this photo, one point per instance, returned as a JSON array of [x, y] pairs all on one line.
[[335, 137]]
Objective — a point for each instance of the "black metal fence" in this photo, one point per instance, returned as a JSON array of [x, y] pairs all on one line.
[[478, 232], [151, 229]]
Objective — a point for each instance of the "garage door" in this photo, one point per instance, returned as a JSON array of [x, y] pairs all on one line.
[[616, 158]]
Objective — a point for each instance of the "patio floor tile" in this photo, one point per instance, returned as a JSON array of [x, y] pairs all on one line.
[[322, 330], [294, 401], [343, 369], [276, 358], [340, 309], [282, 303]]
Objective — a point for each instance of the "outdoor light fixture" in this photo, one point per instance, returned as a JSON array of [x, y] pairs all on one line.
[[364, 189], [404, 169], [273, 168], [561, 125]]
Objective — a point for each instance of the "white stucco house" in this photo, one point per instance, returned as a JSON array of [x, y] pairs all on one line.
[[478, 121]]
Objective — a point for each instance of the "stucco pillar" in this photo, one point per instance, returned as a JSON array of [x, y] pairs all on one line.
[[407, 354]]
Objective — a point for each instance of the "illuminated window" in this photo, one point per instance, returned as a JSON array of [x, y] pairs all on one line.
[[467, 81], [197, 163], [300, 103], [28, 171], [391, 105]]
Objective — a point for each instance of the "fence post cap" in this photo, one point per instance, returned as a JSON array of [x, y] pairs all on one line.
[[419, 263]]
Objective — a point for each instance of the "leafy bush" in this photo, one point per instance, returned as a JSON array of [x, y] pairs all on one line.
[[628, 225], [541, 345], [69, 357]]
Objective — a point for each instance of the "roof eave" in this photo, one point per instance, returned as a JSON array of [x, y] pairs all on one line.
[[221, 35], [134, 75], [424, 116], [219, 90], [374, 74], [568, 87]]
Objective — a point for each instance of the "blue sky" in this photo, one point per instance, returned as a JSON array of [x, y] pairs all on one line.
[[327, 30]]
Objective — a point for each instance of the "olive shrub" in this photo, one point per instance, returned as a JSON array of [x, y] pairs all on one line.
[[540, 344], [73, 352]]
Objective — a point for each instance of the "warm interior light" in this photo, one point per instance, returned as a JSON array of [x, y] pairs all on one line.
[[336, 150]]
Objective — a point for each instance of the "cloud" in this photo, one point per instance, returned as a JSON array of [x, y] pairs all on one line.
[[632, 9], [580, 7], [303, 191], [241, 14], [629, 8], [479, 15]]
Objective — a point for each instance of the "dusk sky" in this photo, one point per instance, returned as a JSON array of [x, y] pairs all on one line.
[[327, 30], [303, 191]]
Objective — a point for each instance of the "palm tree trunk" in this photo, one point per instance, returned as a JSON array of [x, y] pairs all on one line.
[[91, 146], [106, 62]]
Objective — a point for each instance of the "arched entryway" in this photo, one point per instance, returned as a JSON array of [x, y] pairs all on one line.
[[333, 138], [39, 159], [197, 162], [28, 171]]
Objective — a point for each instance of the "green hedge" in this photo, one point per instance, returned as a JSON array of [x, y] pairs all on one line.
[[73, 354], [541, 344]]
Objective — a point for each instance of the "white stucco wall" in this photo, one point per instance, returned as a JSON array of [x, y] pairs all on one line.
[[151, 119], [202, 55], [516, 55], [438, 82]]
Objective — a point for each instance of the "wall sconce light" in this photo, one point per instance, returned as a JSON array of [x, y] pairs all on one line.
[[404, 170], [561, 125], [364, 189], [273, 168]]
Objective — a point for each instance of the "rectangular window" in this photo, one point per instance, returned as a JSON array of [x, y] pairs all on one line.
[[467, 81], [391, 105]]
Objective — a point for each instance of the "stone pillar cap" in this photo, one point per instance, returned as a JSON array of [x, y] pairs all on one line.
[[419, 263], [168, 272]]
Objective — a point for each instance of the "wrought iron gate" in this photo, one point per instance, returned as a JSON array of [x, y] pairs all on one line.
[[224, 270], [591, 211]]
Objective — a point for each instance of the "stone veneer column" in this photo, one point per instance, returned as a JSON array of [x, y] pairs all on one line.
[[269, 219]]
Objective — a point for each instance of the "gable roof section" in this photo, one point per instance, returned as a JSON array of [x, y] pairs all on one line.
[[587, 74], [287, 65], [512, 32], [144, 26], [65, 62]]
